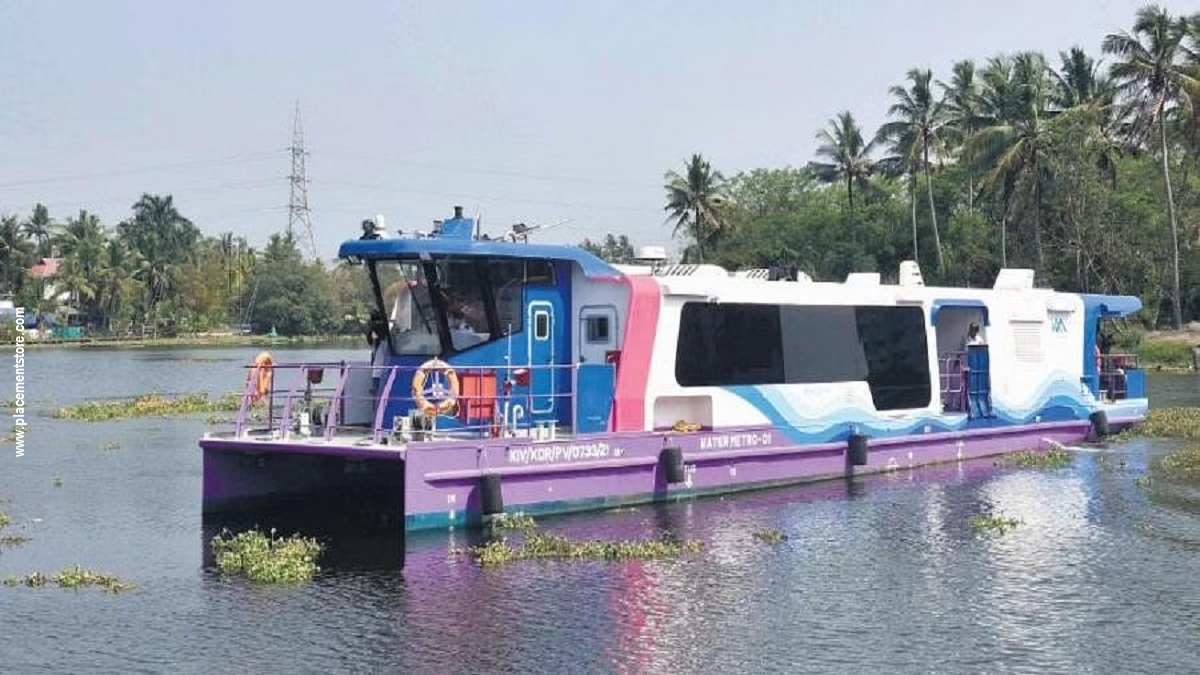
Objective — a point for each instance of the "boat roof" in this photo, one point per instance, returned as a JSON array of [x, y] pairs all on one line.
[[388, 249]]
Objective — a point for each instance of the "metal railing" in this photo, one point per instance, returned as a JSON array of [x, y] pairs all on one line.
[[492, 401], [951, 371], [1114, 384]]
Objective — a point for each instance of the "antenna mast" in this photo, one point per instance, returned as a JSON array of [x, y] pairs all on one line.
[[298, 211]]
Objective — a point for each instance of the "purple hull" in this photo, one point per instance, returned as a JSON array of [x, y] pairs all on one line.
[[440, 483]]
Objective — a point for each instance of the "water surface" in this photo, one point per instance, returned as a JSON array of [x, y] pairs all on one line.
[[879, 573]]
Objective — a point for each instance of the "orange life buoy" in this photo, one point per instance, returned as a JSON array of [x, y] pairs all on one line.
[[446, 395], [262, 376]]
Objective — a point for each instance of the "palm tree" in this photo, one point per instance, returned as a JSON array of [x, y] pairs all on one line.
[[15, 253], [1014, 146], [848, 154], [1153, 77], [960, 99], [163, 239], [39, 227], [920, 118], [1081, 81], [694, 200]]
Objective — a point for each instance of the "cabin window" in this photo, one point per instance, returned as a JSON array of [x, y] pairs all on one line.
[[452, 304], [748, 344], [462, 297], [597, 329], [541, 325], [407, 306], [508, 289]]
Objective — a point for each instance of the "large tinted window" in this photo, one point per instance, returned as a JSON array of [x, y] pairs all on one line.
[[730, 344]]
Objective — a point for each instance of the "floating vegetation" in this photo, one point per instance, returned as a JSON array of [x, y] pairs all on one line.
[[1166, 423], [110, 445], [513, 521], [265, 558], [540, 546], [58, 482], [150, 405], [770, 536], [993, 524], [13, 541], [1054, 458], [5, 521], [1183, 464], [72, 577]]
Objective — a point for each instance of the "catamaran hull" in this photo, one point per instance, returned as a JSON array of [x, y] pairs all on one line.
[[442, 484]]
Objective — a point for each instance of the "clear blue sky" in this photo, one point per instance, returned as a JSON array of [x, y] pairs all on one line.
[[526, 111]]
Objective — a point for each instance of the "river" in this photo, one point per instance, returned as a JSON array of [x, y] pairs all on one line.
[[882, 573]]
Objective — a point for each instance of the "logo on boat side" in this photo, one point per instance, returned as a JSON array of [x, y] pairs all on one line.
[[1058, 322], [749, 439]]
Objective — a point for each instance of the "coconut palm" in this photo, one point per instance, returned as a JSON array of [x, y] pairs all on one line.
[[921, 118], [1153, 77], [960, 99], [163, 239], [40, 227], [848, 154], [1013, 147], [16, 252], [694, 200]]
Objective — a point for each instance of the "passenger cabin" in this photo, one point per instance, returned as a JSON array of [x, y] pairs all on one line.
[[474, 337]]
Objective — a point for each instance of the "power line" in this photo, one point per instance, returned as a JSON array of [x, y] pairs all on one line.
[[197, 164], [493, 198], [298, 211]]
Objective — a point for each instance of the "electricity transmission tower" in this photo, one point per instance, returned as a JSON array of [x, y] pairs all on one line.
[[299, 216]]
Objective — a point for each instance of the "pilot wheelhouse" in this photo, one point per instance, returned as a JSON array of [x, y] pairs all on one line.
[[506, 330]]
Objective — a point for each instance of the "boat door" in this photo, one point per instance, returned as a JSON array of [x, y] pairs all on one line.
[[540, 320]]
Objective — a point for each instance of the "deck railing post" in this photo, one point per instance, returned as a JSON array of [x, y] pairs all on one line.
[[247, 393], [381, 407], [332, 418]]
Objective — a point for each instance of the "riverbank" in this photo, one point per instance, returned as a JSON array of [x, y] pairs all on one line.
[[201, 340], [1168, 349]]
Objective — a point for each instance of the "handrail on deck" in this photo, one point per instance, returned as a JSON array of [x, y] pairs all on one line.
[[382, 397]]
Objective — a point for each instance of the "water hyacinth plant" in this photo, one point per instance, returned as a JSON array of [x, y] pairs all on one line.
[[149, 405], [513, 521], [1183, 464], [72, 577], [770, 536], [1167, 423], [540, 546], [993, 524], [1054, 458], [265, 558]]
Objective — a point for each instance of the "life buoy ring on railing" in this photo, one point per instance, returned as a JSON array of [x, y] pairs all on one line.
[[262, 376], [441, 398]]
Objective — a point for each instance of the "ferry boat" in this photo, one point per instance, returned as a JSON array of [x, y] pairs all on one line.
[[506, 376]]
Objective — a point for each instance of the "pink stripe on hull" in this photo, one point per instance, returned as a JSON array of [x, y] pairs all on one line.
[[629, 406]]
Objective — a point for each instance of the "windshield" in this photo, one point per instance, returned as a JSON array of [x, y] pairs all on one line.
[[473, 301], [407, 305]]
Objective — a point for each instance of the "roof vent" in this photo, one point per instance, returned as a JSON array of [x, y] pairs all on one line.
[[651, 254], [910, 274], [862, 279], [691, 271], [1014, 279]]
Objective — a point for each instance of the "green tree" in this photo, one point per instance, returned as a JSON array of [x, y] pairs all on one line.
[[1153, 77], [16, 254], [293, 297], [163, 239], [39, 226], [616, 250], [960, 100], [919, 118], [694, 202], [1013, 146], [849, 158]]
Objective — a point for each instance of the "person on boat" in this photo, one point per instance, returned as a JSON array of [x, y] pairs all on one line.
[[974, 337]]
